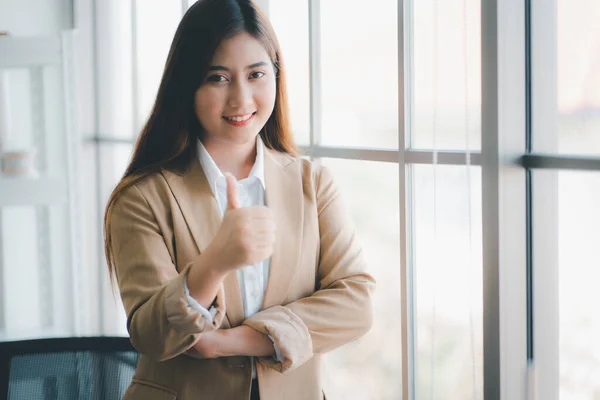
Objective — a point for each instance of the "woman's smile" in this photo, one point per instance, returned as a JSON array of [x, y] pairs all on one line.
[[240, 120]]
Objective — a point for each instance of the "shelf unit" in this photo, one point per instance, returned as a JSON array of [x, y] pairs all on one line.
[[46, 294], [33, 192]]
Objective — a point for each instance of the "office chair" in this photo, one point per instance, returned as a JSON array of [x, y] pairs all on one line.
[[66, 368]]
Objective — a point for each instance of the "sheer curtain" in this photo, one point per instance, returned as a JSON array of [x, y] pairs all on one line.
[[445, 210]]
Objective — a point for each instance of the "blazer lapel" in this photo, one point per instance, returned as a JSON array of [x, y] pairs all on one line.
[[203, 217], [284, 196]]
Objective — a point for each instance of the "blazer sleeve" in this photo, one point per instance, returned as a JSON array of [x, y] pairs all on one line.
[[160, 321], [341, 310]]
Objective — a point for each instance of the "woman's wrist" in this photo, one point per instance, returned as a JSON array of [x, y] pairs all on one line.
[[204, 279], [218, 260]]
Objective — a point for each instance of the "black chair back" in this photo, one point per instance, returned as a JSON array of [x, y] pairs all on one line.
[[67, 368]]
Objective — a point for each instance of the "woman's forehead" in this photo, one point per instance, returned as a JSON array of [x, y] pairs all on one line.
[[240, 50]]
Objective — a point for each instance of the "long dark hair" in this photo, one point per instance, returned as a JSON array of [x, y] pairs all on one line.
[[168, 139]]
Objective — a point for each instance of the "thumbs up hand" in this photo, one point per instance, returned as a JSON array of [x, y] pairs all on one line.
[[246, 235]]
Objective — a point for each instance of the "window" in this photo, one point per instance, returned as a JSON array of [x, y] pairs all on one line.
[[412, 181], [446, 216], [446, 75], [128, 49], [358, 86], [371, 191], [289, 19], [370, 99], [151, 46], [570, 239], [564, 163], [462, 134], [567, 77]]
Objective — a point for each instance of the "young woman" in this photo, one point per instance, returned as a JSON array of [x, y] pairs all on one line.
[[235, 261]]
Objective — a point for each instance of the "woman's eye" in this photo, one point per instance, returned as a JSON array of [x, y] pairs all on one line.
[[216, 78], [257, 74]]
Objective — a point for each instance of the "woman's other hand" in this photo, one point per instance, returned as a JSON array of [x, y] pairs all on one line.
[[209, 344], [239, 341]]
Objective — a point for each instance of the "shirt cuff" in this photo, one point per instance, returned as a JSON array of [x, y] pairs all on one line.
[[278, 356], [208, 314]]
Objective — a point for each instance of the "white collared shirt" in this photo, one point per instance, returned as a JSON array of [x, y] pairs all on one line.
[[252, 278]]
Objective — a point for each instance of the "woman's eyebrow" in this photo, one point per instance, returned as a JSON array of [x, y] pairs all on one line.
[[251, 66]]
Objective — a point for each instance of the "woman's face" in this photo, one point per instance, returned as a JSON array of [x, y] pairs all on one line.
[[237, 96]]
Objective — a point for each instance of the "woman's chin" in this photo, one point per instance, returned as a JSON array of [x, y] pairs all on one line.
[[237, 137]]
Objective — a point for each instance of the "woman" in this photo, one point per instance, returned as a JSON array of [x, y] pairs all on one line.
[[233, 290]]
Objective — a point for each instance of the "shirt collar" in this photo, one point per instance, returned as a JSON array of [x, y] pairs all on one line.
[[213, 173]]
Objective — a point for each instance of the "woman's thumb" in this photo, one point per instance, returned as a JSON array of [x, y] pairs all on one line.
[[233, 198]]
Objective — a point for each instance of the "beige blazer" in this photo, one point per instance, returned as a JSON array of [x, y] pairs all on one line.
[[318, 295]]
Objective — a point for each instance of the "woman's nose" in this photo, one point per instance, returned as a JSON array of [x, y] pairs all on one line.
[[240, 95]]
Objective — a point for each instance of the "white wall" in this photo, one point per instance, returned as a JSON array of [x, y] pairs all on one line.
[[35, 17]]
